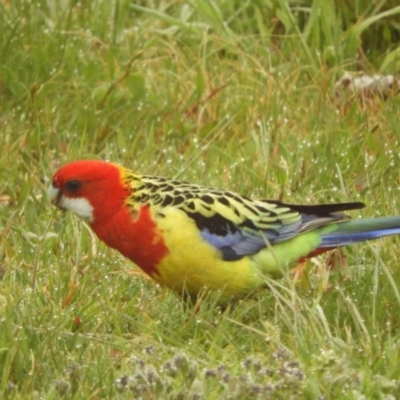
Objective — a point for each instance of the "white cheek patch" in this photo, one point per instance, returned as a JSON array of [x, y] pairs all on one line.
[[79, 206]]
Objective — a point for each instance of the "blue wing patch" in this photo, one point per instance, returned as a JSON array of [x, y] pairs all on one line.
[[234, 241]]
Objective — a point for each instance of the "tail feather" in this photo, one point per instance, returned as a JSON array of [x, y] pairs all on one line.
[[356, 231]]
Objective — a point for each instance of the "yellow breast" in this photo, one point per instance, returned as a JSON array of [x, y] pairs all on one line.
[[193, 264]]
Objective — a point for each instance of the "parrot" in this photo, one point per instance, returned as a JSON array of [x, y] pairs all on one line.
[[189, 237]]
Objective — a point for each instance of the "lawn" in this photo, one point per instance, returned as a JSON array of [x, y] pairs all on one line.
[[229, 94]]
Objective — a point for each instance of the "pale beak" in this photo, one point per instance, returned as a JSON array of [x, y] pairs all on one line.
[[54, 194]]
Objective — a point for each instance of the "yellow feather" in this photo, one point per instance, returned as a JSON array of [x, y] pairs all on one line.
[[193, 263]]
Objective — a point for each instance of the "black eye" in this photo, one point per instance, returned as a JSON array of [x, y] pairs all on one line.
[[73, 185]]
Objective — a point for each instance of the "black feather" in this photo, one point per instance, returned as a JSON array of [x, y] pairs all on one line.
[[319, 209]]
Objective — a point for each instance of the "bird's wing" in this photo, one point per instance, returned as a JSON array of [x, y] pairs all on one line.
[[234, 224]]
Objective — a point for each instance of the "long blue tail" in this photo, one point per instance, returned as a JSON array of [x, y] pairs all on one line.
[[359, 231]]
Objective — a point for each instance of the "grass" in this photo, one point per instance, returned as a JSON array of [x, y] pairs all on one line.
[[228, 94]]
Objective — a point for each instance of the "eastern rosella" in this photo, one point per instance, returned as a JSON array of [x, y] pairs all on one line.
[[188, 237]]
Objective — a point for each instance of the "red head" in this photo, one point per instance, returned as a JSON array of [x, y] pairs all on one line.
[[93, 190]]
